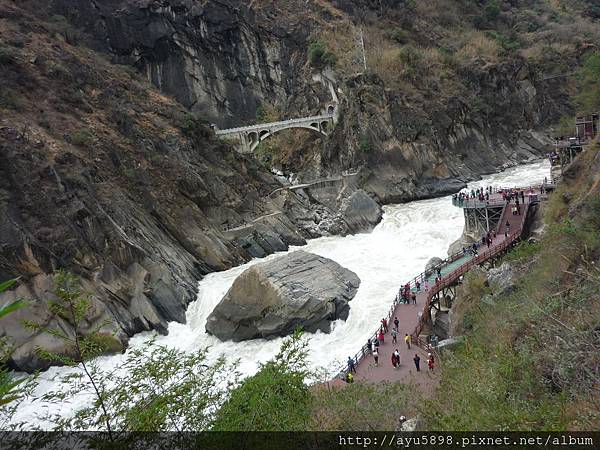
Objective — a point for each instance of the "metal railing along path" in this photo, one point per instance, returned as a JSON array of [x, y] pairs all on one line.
[[445, 281]]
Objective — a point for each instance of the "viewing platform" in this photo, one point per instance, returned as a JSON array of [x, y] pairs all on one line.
[[435, 290]]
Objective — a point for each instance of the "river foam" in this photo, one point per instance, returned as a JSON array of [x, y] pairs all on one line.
[[394, 252]]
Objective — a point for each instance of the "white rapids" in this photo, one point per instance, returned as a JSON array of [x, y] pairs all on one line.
[[393, 253]]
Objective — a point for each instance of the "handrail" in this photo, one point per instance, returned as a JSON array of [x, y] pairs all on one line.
[[473, 202], [446, 280], [463, 268]]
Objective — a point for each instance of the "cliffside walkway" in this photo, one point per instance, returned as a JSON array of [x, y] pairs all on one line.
[[413, 318]]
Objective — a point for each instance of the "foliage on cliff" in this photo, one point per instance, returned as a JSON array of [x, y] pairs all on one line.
[[531, 360]]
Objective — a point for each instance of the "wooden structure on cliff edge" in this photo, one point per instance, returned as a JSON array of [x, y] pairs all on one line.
[[586, 127]]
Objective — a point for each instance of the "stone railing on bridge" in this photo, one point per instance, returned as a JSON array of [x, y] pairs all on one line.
[[250, 136]]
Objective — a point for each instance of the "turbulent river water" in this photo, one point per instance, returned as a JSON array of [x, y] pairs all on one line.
[[394, 252]]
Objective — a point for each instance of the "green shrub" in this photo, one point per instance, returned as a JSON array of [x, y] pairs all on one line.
[[410, 55], [491, 12], [565, 126], [319, 55], [82, 137], [508, 43], [400, 36], [523, 250], [364, 144], [60, 25], [588, 99], [193, 126]]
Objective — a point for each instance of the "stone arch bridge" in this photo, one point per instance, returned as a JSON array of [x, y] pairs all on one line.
[[250, 136]]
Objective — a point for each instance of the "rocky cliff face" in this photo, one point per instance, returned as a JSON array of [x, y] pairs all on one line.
[[220, 59], [105, 176], [226, 59], [416, 149]]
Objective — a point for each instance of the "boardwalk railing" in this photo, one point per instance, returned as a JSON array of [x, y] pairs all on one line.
[[453, 276], [446, 281], [495, 201], [364, 350]]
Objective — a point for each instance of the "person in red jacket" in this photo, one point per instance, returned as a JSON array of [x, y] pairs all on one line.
[[381, 336], [384, 325]]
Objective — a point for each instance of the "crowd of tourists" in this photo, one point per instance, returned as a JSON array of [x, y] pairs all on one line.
[[484, 194], [374, 345], [481, 194]]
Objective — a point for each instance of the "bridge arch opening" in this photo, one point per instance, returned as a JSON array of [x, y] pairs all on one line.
[[330, 109], [325, 126], [252, 137], [263, 134]]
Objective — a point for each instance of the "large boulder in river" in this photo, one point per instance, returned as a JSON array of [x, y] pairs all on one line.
[[274, 297], [360, 212]]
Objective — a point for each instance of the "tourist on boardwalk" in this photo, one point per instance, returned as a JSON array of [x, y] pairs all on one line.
[[376, 344], [426, 286], [507, 230], [384, 325], [381, 336], [418, 286], [394, 360], [351, 367], [430, 364], [376, 356], [417, 361], [396, 323], [413, 297], [394, 335], [369, 346], [407, 339], [396, 356]]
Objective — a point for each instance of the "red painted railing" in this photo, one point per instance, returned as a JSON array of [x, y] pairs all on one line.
[[446, 281], [453, 276]]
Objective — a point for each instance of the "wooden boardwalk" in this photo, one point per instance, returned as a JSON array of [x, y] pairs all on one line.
[[413, 317]]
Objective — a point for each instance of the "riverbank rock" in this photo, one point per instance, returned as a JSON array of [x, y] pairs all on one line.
[[360, 212], [501, 278], [463, 241], [273, 298], [432, 263]]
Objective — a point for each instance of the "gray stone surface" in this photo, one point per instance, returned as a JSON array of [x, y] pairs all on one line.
[[432, 263], [360, 211], [501, 279], [274, 297], [463, 241], [441, 326]]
